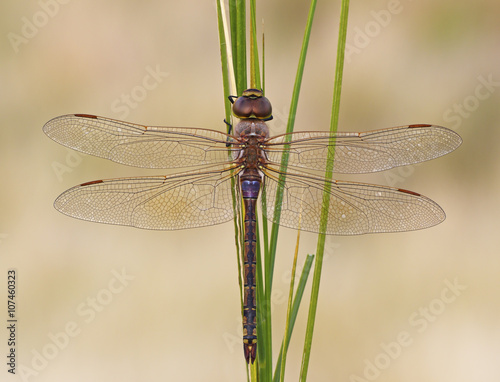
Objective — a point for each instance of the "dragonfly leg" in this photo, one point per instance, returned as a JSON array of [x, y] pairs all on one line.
[[230, 126], [229, 130]]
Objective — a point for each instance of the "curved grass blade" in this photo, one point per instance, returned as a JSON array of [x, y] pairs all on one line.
[[339, 69], [293, 315], [270, 259], [284, 161], [286, 339]]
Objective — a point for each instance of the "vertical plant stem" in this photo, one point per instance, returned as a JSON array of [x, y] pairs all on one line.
[[339, 69], [286, 339], [254, 56], [284, 159], [224, 57], [263, 60], [270, 260], [229, 82], [264, 338], [299, 293], [227, 74], [228, 77], [241, 54]]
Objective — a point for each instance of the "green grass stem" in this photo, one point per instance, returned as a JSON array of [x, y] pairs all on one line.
[[339, 69], [284, 161], [299, 293]]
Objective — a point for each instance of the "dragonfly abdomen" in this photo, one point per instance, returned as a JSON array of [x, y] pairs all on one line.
[[250, 191]]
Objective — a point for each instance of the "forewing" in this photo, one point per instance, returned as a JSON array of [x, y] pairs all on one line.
[[180, 201], [355, 208], [370, 151], [139, 145]]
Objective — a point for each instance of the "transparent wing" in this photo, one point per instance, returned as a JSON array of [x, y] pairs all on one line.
[[138, 145], [180, 201], [355, 208], [370, 151]]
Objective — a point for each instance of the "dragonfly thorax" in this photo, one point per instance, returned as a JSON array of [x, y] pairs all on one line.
[[251, 127], [251, 154]]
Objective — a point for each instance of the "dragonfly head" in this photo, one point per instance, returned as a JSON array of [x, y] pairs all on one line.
[[252, 104]]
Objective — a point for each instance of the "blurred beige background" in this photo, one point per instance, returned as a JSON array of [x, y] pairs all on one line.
[[175, 316]]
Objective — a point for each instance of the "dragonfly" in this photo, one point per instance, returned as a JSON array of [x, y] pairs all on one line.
[[228, 172]]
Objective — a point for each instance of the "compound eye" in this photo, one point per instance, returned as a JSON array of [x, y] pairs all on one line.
[[252, 104], [243, 107], [262, 108]]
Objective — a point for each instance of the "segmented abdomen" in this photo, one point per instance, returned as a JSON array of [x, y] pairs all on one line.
[[250, 191]]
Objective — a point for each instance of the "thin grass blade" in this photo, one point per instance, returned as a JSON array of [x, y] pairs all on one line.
[[294, 312], [286, 339], [240, 54], [284, 160], [255, 81], [339, 69]]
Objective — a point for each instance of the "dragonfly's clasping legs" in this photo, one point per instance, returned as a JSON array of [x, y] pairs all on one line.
[[229, 130]]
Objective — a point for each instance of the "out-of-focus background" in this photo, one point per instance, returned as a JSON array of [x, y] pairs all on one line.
[[100, 303]]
